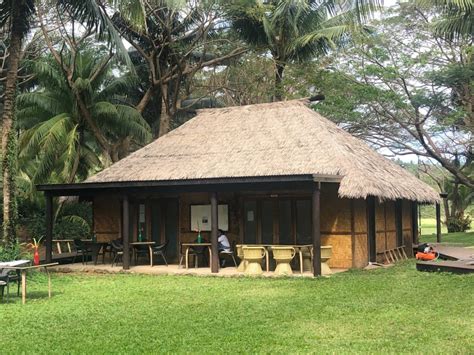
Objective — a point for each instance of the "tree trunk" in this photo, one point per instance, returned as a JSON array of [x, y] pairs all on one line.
[[165, 115], [8, 132], [279, 69]]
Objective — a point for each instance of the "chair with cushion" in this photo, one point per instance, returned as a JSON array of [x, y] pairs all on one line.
[[161, 250], [81, 249]]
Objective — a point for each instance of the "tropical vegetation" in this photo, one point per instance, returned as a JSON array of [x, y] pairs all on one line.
[[84, 83]]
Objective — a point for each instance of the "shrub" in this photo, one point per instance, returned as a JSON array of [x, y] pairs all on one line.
[[14, 252], [458, 224]]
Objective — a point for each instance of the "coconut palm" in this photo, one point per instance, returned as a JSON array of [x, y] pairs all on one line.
[[298, 30], [55, 134], [457, 17], [15, 19]]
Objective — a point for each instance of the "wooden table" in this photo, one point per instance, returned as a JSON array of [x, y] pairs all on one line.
[[23, 270], [150, 248], [187, 246]]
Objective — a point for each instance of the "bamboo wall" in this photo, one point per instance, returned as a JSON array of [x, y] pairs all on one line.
[[360, 252], [336, 226], [106, 217], [343, 223]]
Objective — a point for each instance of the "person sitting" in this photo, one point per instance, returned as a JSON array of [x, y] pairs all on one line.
[[223, 245], [222, 242]]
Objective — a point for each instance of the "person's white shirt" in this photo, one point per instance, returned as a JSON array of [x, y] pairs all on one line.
[[224, 242]]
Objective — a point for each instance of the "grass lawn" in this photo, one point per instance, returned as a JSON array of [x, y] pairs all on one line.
[[390, 310], [428, 234]]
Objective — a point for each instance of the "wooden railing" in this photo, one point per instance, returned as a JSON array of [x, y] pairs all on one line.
[[63, 246]]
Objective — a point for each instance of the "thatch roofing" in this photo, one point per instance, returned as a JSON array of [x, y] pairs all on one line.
[[274, 139]]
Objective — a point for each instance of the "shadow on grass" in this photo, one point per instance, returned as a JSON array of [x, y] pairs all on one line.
[[30, 296]]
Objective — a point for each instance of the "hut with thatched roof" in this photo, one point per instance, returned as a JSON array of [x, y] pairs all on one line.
[[275, 173]]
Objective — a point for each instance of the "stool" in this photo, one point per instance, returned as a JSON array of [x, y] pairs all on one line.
[[283, 256], [253, 256]]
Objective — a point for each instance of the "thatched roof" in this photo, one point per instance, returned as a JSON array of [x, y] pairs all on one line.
[[274, 139]]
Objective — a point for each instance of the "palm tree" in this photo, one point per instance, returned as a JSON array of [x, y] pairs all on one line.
[[15, 20], [298, 30], [55, 134], [457, 17]]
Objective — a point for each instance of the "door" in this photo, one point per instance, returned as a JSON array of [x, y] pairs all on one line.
[[171, 227], [250, 222], [267, 221]]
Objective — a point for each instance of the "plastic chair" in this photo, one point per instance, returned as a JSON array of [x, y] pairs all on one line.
[[253, 256], [283, 256], [117, 250], [82, 249], [161, 250]]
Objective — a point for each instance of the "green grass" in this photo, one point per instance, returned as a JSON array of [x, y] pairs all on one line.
[[396, 310], [428, 234]]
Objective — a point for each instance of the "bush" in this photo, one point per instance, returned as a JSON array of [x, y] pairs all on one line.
[[14, 252], [458, 224], [74, 221]]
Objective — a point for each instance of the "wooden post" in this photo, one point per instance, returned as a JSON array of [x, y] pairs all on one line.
[[399, 222], [414, 221], [438, 223], [316, 216], [126, 233], [371, 231], [214, 227], [49, 228]]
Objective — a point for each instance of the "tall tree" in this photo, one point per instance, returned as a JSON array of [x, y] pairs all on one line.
[[298, 30], [175, 41], [408, 91], [15, 15]]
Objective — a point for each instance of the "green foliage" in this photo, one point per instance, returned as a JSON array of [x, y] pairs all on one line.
[[73, 221], [460, 223], [12, 252], [56, 139]]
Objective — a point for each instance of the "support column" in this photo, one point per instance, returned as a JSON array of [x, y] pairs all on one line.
[[214, 227], [438, 223], [49, 227], [399, 222], [371, 230], [414, 221], [316, 217], [126, 233]]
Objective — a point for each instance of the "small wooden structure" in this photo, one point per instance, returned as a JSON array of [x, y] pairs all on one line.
[[276, 173]]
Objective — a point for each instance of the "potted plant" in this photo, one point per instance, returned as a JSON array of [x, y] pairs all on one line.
[[35, 245]]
